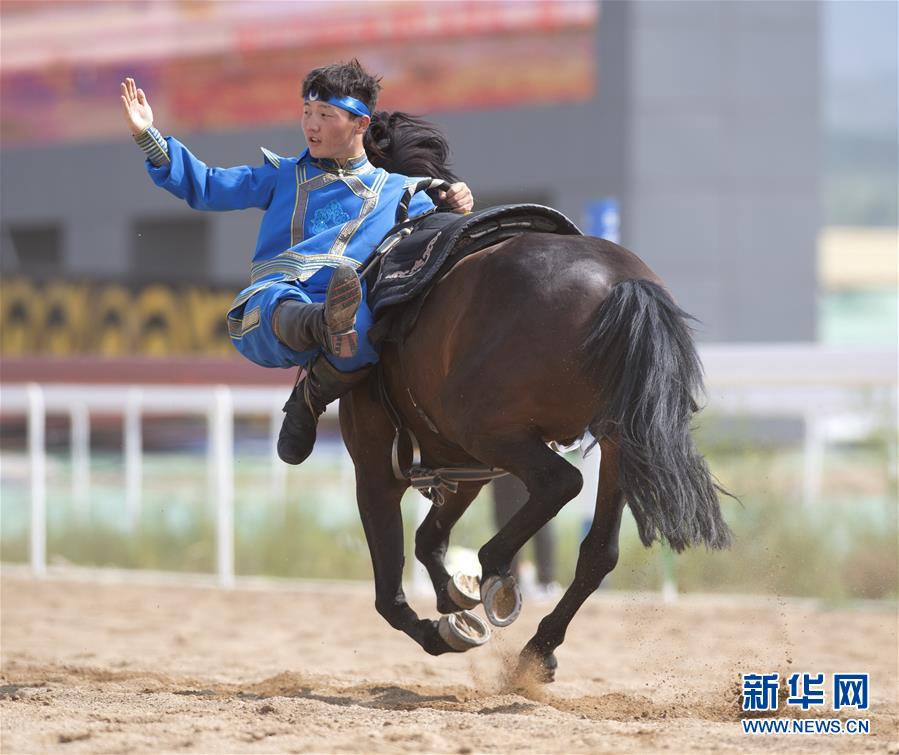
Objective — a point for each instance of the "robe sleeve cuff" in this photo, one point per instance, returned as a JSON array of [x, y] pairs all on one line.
[[154, 146]]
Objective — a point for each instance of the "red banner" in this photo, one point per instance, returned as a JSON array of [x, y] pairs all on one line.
[[219, 65]]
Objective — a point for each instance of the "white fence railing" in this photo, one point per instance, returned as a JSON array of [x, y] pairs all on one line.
[[838, 393]]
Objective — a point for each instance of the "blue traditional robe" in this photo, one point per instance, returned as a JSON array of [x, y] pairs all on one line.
[[318, 214]]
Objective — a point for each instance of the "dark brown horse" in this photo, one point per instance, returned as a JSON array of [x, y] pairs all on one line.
[[535, 339]]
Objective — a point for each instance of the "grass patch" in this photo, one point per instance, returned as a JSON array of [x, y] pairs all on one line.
[[841, 547]]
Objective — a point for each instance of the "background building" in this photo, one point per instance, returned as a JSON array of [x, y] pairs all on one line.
[[704, 120]]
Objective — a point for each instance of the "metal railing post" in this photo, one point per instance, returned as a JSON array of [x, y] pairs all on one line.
[[279, 468], [133, 451], [80, 442], [812, 459], [211, 507], [588, 464], [37, 453], [223, 438]]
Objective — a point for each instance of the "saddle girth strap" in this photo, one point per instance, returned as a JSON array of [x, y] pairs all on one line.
[[433, 484]]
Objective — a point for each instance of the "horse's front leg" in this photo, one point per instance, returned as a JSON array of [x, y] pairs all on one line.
[[598, 556], [368, 436], [431, 541], [382, 520]]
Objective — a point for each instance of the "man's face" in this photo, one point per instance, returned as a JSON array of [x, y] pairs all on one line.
[[331, 132]]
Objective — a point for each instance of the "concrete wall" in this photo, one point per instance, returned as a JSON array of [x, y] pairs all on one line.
[[705, 126], [724, 160]]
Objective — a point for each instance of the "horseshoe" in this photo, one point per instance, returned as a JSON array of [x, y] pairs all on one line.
[[463, 631], [464, 590], [502, 600]]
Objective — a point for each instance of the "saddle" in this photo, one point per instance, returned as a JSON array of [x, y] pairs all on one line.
[[417, 252]]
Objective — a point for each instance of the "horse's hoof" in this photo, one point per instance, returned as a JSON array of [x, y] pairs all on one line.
[[502, 600], [463, 631], [464, 590], [536, 668]]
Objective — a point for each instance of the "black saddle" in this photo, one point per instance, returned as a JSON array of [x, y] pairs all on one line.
[[418, 251]]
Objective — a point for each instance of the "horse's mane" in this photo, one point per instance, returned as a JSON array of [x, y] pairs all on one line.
[[403, 143]]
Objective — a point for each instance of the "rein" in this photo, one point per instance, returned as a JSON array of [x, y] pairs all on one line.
[[403, 224], [433, 484]]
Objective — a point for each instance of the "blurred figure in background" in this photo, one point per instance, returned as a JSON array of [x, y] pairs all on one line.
[[509, 495], [325, 211]]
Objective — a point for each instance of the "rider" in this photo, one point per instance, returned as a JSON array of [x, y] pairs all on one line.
[[324, 213]]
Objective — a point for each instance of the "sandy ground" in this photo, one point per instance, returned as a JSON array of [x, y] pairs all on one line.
[[106, 665]]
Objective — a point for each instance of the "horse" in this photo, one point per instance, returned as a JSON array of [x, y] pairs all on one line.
[[535, 339]]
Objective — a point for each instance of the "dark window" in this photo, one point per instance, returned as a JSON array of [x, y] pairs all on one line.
[[32, 250], [170, 250]]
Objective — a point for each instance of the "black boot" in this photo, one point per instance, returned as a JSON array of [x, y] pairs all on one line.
[[302, 326], [322, 384]]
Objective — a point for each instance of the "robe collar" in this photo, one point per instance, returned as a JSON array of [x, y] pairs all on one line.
[[353, 165]]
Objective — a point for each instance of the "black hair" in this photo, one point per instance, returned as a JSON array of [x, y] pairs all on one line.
[[396, 142], [403, 143], [344, 80]]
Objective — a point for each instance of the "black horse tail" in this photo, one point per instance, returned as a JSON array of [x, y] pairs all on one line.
[[640, 351], [403, 143]]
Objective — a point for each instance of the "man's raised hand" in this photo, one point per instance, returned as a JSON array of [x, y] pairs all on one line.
[[138, 113]]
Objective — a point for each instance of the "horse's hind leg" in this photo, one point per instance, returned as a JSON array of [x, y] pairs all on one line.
[[551, 483], [598, 556], [432, 539]]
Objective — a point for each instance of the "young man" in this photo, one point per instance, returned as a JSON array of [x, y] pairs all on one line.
[[324, 213]]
